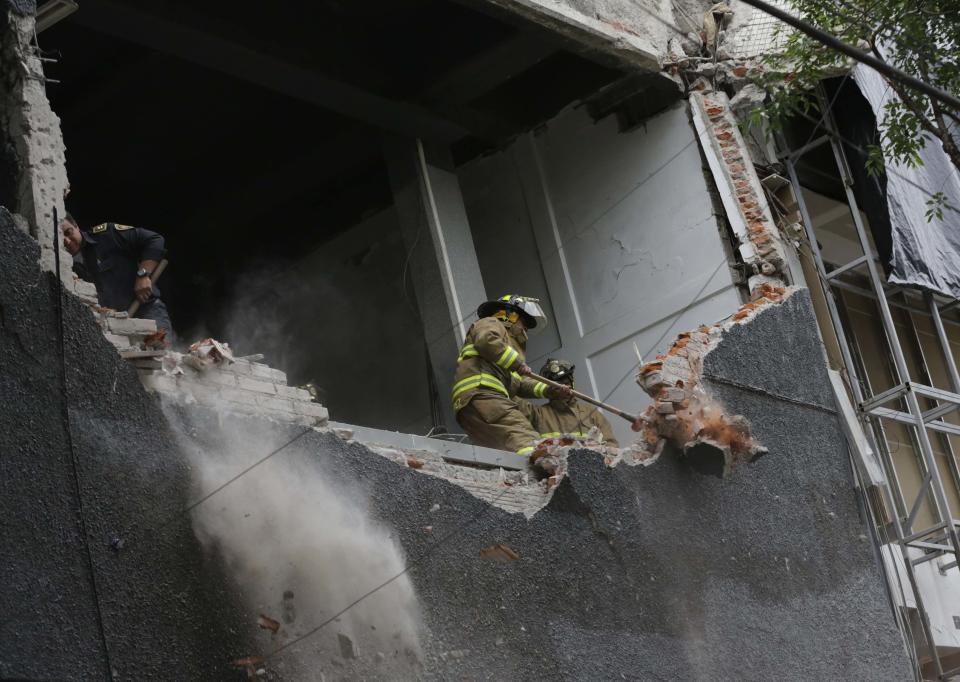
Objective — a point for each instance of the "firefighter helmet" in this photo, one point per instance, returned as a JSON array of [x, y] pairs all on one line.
[[557, 370], [527, 308]]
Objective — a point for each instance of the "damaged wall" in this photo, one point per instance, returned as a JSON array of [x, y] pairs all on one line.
[[632, 32], [635, 572], [31, 138], [622, 223]]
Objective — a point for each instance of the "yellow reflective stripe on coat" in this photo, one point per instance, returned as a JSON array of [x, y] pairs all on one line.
[[525, 451], [508, 357], [557, 434], [540, 390], [468, 351], [477, 380]]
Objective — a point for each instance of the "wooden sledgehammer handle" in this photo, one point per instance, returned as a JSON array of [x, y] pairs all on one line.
[[587, 399], [154, 276]]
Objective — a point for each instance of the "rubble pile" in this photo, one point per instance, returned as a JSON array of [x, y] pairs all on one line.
[[211, 376], [208, 374], [684, 413]]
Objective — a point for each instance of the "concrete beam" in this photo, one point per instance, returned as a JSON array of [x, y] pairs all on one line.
[[216, 53], [601, 41], [441, 260]]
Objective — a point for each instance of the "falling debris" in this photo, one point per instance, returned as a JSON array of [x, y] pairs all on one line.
[[156, 341], [347, 648], [499, 552], [212, 350], [684, 414], [249, 664], [268, 623], [414, 463]]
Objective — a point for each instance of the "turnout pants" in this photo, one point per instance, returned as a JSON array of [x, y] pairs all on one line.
[[495, 421]]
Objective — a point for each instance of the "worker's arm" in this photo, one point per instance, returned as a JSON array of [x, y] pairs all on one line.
[[526, 387], [80, 268], [492, 343], [147, 247]]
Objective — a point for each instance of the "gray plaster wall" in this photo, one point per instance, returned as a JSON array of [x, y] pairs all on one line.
[[615, 231], [627, 573]]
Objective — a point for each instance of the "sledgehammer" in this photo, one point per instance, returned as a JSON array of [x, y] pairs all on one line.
[[587, 399], [154, 276]]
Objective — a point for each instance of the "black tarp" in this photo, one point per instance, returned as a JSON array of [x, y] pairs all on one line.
[[924, 253]]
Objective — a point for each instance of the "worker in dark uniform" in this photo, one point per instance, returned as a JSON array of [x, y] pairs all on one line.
[[119, 260]]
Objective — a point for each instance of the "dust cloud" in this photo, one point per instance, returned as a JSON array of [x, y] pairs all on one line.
[[300, 550]]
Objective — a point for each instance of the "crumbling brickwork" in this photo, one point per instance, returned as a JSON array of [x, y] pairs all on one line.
[[740, 188], [683, 412], [222, 383]]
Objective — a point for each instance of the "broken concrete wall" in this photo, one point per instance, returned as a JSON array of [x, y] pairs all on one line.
[[660, 573], [620, 237], [633, 33], [30, 135], [631, 572], [342, 318]]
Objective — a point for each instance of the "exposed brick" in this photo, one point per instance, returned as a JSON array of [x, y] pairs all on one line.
[[214, 376], [236, 395], [311, 409], [121, 342], [131, 325], [249, 384], [238, 367], [276, 403], [293, 393], [260, 371]]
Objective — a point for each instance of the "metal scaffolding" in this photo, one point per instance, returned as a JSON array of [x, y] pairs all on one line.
[[902, 402]]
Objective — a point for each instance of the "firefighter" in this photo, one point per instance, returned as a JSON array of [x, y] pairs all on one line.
[[490, 372], [564, 415]]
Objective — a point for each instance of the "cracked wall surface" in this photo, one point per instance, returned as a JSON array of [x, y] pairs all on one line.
[[628, 572]]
